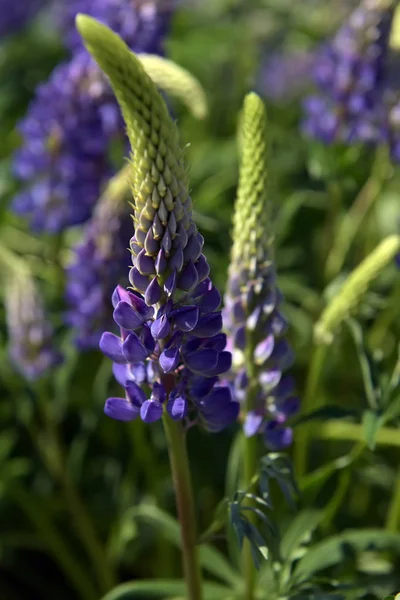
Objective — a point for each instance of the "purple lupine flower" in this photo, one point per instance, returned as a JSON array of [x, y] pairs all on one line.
[[170, 351], [99, 260], [252, 312], [142, 24], [350, 74], [285, 76], [15, 15], [64, 160], [31, 334]]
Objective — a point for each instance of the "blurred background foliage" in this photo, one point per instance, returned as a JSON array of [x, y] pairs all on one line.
[[71, 479]]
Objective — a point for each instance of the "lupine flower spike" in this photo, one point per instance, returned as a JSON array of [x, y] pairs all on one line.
[[351, 74], [256, 327], [30, 332], [100, 260], [170, 320]]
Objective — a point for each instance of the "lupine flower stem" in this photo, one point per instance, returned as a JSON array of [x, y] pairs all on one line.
[[309, 403], [250, 457], [185, 506], [355, 217]]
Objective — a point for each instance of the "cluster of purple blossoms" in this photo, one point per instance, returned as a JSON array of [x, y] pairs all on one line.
[[66, 136], [256, 329], [351, 74], [171, 339], [99, 260], [252, 313], [30, 332], [64, 159], [285, 76]]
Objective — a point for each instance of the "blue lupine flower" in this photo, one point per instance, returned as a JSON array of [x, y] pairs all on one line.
[[170, 322], [252, 312], [64, 160], [351, 76], [31, 340], [99, 260], [66, 136]]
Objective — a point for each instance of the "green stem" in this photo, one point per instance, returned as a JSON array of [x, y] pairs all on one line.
[[249, 469], [309, 403], [354, 218], [340, 430], [250, 462], [393, 514], [55, 458], [185, 506]]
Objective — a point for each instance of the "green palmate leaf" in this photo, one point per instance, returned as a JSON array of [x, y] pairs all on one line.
[[333, 550], [210, 559], [299, 532], [176, 81], [164, 588], [354, 288]]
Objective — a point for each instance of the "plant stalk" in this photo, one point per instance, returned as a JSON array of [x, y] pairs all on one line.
[[185, 506], [393, 514], [309, 403]]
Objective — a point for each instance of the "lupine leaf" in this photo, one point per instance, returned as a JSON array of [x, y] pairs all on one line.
[[299, 531], [366, 363], [332, 551], [164, 588]]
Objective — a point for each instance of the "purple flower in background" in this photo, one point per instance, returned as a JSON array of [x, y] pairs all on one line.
[[15, 14], [285, 76], [142, 24], [30, 332], [64, 160], [351, 75], [100, 259], [64, 156], [252, 312]]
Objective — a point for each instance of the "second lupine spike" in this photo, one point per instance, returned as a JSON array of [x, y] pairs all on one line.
[[252, 305], [170, 324]]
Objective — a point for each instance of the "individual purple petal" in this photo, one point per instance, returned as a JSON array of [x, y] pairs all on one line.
[[169, 359], [135, 393], [120, 409], [111, 346], [147, 339], [208, 325], [202, 268], [269, 379], [153, 293], [188, 277], [139, 282], [133, 349], [186, 317], [126, 317], [223, 365], [211, 301], [288, 407], [252, 423], [145, 263], [201, 386], [264, 350], [202, 361], [277, 437], [121, 373], [170, 283], [160, 328], [151, 411], [177, 408]]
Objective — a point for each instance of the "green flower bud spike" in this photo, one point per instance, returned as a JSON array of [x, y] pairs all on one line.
[[354, 288], [251, 224]]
